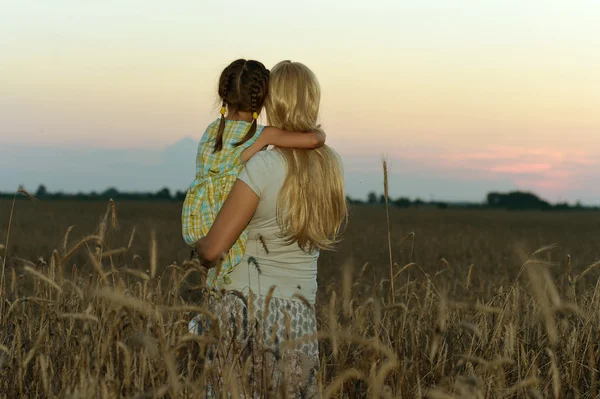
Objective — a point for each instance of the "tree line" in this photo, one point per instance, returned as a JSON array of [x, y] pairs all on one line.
[[163, 194], [514, 200]]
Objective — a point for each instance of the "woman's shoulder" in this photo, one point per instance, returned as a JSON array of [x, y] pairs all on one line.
[[266, 159], [263, 170]]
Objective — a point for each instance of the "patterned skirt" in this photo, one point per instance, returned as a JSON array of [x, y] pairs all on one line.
[[265, 351]]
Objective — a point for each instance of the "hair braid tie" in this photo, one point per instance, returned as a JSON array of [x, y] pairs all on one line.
[[219, 139], [255, 91], [225, 89]]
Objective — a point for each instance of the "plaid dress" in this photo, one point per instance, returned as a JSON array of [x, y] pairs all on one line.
[[215, 175]]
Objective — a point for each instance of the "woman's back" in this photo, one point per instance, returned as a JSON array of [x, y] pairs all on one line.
[[270, 259]]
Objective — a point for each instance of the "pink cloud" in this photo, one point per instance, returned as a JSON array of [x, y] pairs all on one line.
[[585, 162], [552, 172], [522, 168], [549, 171]]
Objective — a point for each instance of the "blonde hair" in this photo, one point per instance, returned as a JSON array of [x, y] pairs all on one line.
[[311, 206]]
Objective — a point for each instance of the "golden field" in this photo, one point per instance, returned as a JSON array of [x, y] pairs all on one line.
[[487, 304]]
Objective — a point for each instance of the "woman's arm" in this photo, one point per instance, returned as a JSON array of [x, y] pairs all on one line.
[[282, 138], [234, 216]]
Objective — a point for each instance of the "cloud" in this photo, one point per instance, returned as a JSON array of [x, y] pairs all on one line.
[[554, 173], [551, 172], [521, 168]]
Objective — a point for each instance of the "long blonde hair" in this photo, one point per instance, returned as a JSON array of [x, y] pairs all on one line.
[[311, 206]]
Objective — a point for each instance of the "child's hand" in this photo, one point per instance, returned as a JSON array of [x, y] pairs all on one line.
[[282, 138], [320, 137]]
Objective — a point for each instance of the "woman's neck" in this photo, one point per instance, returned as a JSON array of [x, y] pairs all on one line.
[[240, 116]]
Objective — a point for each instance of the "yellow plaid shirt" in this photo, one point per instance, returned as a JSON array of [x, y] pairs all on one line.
[[215, 175]]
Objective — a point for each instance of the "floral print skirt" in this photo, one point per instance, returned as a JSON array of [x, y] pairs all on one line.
[[265, 349]]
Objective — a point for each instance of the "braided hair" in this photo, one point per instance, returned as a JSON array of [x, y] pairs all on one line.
[[243, 87]]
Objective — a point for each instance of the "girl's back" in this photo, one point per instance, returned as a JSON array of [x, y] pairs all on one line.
[[209, 161], [243, 86], [215, 174]]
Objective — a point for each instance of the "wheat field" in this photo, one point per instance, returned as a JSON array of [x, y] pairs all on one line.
[[485, 304]]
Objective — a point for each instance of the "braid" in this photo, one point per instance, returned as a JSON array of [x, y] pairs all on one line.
[[243, 87], [223, 91], [259, 86]]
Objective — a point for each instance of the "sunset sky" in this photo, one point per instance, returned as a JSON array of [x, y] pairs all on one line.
[[463, 97]]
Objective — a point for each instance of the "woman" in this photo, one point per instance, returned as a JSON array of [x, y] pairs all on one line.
[[293, 203]]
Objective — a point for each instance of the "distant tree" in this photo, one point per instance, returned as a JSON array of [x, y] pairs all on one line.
[[372, 198], [402, 202], [110, 193], [165, 193], [354, 201], [180, 195], [562, 206], [41, 191], [516, 200], [382, 199], [493, 199]]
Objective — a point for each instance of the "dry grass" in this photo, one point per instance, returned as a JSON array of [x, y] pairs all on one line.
[[482, 306]]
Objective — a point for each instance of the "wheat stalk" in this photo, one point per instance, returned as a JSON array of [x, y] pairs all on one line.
[[21, 190], [389, 231]]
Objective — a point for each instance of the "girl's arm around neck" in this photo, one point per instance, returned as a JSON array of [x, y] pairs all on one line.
[[282, 138], [234, 216]]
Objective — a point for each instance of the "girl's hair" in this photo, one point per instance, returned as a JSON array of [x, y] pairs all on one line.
[[311, 206], [243, 87]]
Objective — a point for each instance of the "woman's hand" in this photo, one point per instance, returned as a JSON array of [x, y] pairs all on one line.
[[234, 216]]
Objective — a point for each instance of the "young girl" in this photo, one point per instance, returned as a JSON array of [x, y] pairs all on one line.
[[227, 144]]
